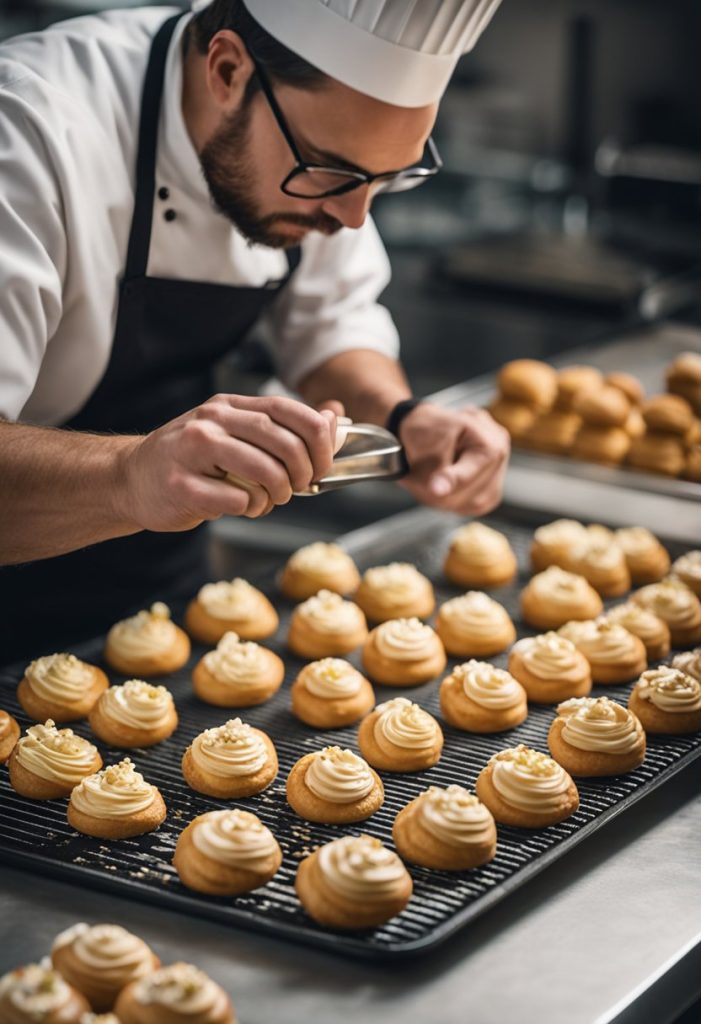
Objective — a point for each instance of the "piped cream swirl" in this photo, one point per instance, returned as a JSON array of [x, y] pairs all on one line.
[[406, 640], [529, 780], [403, 724], [146, 633], [559, 586], [637, 542], [231, 601], [321, 558], [109, 949], [57, 755], [234, 749], [182, 989], [600, 640], [339, 776], [560, 534], [137, 704], [599, 724], [638, 620], [548, 656], [670, 690], [332, 679], [328, 612], [480, 544], [35, 991], [672, 601], [690, 663], [117, 791], [455, 816], [235, 838], [474, 611], [238, 662], [689, 565], [396, 582], [490, 687], [361, 868], [60, 677]]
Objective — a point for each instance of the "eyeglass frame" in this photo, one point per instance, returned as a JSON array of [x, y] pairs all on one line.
[[414, 175]]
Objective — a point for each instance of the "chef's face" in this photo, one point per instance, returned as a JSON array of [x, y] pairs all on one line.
[[245, 157]]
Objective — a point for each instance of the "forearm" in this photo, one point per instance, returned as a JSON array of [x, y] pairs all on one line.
[[59, 491], [368, 384]]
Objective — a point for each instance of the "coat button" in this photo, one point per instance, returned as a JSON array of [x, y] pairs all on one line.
[[170, 215], [163, 192]]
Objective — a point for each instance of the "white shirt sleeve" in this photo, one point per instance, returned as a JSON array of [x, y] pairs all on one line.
[[330, 304], [32, 253]]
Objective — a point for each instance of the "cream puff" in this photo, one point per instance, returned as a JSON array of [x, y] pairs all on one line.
[[660, 453], [37, 994], [550, 668], [608, 445], [403, 652], [601, 561], [395, 591], [172, 994], [445, 830], [614, 654], [647, 559], [226, 853], [326, 626], [553, 543], [61, 687], [596, 736], [47, 763], [318, 567], [683, 378], [553, 597], [331, 693], [628, 384], [668, 701], [689, 662], [352, 883], [9, 734], [474, 625], [238, 674], [515, 417], [399, 736], [230, 761], [687, 568], [479, 556], [553, 432], [525, 788], [225, 607], [334, 787], [602, 407], [100, 960], [135, 714], [574, 380], [668, 414], [528, 380], [641, 622], [477, 697], [147, 644], [676, 605], [692, 465], [116, 803]]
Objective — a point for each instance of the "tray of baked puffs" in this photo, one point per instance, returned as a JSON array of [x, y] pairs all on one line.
[[371, 749]]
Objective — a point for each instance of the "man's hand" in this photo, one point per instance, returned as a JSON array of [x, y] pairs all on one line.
[[176, 475], [458, 458]]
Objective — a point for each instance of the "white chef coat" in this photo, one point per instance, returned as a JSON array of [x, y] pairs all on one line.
[[69, 115]]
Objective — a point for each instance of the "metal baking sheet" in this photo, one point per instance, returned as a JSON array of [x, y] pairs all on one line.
[[37, 836]]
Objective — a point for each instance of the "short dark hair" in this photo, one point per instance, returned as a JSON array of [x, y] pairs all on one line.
[[282, 64]]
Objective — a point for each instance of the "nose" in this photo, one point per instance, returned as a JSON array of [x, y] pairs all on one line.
[[350, 209]]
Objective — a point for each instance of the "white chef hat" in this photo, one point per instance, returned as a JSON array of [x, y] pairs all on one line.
[[399, 51]]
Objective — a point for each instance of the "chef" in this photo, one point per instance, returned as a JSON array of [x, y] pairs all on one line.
[[167, 181]]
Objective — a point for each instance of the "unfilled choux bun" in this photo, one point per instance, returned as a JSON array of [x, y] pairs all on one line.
[[602, 407], [530, 381], [608, 445], [477, 697], [230, 606], [660, 453], [395, 591], [445, 830], [319, 566], [334, 786], [147, 644], [515, 417], [479, 556], [60, 687], [331, 693], [552, 432], [628, 384], [684, 378], [574, 380], [226, 853], [668, 414]]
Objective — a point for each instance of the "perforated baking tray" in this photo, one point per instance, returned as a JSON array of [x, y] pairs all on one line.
[[37, 836]]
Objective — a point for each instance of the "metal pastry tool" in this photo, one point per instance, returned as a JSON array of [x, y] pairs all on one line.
[[368, 452]]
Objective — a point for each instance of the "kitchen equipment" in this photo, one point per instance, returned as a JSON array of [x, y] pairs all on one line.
[[368, 452]]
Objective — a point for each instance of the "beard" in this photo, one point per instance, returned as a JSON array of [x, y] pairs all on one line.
[[231, 179]]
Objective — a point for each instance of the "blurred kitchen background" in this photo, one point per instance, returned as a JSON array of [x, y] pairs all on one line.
[[568, 213]]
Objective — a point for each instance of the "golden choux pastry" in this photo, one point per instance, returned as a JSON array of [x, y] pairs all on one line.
[[553, 431], [684, 378], [614, 654], [553, 597], [474, 625], [689, 662], [445, 830], [318, 567], [334, 787], [47, 763], [647, 559], [525, 788], [661, 453], [554, 542], [37, 994], [60, 686], [99, 1018], [596, 736], [100, 960], [573, 380], [601, 561], [667, 700], [515, 417], [116, 803], [9, 734], [677, 605], [399, 736], [608, 445], [602, 407], [226, 853], [628, 384], [634, 426], [395, 591], [172, 994], [326, 626], [352, 883], [477, 697], [225, 607], [692, 466], [147, 644], [687, 568], [479, 557], [331, 693], [403, 652], [530, 381], [641, 622], [238, 674], [668, 414], [550, 668], [135, 714], [230, 761]]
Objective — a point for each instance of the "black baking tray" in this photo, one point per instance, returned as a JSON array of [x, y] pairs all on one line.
[[37, 835]]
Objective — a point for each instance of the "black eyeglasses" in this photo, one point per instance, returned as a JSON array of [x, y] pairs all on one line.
[[315, 181]]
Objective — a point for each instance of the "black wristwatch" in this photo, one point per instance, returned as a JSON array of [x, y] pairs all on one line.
[[399, 413]]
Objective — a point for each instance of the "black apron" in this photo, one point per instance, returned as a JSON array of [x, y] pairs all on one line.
[[168, 337]]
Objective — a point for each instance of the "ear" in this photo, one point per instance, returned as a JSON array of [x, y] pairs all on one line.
[[229, 68]]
